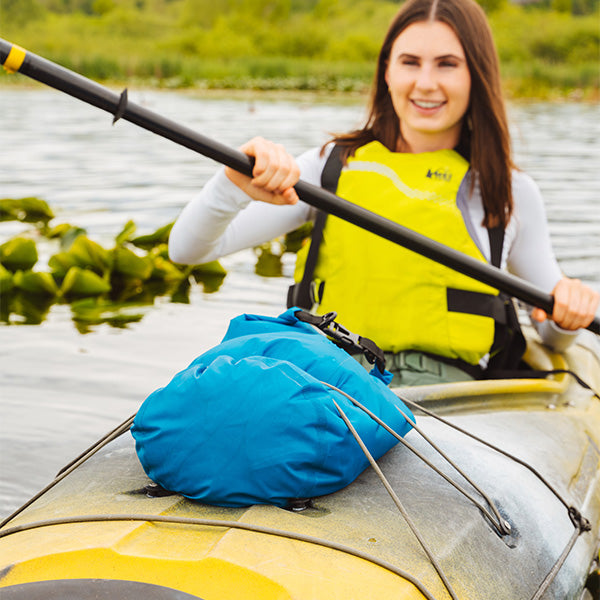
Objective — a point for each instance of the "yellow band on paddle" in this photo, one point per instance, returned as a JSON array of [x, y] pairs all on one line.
[[15, 59]]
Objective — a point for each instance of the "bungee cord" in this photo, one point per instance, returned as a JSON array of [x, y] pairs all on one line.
[[397, 502], [502, 526], [580, 523], [514, 458]]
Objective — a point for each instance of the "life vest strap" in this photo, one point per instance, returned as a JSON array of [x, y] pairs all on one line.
[[476, 303], [303, 293]]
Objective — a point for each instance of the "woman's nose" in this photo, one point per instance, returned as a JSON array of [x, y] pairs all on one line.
[[425, 78]]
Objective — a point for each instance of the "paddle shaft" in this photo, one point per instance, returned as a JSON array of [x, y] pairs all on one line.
[[49, 73]]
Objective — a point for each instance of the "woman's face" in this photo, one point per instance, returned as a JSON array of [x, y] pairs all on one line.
[[429, 84]]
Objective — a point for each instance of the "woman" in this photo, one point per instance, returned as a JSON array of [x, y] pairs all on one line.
[[435, 156]]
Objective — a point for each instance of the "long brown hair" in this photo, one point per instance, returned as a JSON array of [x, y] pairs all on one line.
[[484, 136]]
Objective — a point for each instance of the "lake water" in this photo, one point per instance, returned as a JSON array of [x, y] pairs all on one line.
[[61, 390]]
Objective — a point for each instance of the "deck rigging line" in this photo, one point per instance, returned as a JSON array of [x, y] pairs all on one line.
[[397, 502], [417, 406], [580, 523], [502, 526]]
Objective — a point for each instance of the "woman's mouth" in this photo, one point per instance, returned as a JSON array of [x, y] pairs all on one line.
[[428, 104]]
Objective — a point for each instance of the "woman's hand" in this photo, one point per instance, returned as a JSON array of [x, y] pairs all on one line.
[[575, 305], [274, 175]]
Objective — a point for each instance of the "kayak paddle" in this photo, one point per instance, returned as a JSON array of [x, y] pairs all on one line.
[[16, 59]]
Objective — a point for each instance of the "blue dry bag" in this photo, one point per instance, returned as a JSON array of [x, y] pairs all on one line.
[[250, 421]]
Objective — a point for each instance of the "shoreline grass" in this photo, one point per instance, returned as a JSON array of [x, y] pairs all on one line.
[[181, 44]]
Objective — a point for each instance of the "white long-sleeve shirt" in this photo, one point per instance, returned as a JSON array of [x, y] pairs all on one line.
[[222, 219]]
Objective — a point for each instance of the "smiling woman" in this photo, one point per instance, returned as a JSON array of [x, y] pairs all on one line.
[[435, 156]]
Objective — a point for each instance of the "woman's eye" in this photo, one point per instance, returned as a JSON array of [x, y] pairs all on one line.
[[410, 62], [448, 64]]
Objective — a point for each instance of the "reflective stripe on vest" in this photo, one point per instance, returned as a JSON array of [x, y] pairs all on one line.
[[394, 296]]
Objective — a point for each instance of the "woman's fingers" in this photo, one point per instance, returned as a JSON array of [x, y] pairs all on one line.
[[275, 173], [274, 169], [575, 305]]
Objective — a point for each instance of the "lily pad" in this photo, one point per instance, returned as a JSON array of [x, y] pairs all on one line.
[[210, 283], [268, 263], [22, 308], [294, 240], [70, 235], [18, 254], [6, 280], [210, 268], [128, 263], [83, 282], [210, 275], [90, 254], [160, 236], [65, 232], [27, 210], [41, 283], [127, 231], [96, 311], [83, 253], [165, 270]]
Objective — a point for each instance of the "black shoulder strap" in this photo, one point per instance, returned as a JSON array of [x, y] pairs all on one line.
[[301, 294], [496, 237], [509, 343]]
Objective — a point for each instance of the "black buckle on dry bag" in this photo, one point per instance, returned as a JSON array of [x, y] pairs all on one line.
[[343, 337]]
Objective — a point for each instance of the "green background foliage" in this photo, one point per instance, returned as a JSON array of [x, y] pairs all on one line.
[[550, 47]]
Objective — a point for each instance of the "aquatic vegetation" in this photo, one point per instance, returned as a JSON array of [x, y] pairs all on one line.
[[103, 285], [28, 210]]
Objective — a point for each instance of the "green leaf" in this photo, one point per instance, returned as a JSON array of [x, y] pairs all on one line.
[[91, 255], [164, 270], [18, 254], [28, 210], [6, 280], [36, 210], [128, 263], [294, 240], [210, 283], [83, 253], [8, 210], [82, 282], [70, 235], [268, 263], [160, 236], [210, 268], [126, 233], [41, 283], [30, 309], [61, 230], [61, 262]]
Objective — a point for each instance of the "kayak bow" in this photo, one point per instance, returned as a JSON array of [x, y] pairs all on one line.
[[104, 525]]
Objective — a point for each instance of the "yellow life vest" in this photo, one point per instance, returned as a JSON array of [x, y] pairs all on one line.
[[391, 295]]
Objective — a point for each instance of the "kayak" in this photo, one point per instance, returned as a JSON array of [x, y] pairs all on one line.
[[495, 495]]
